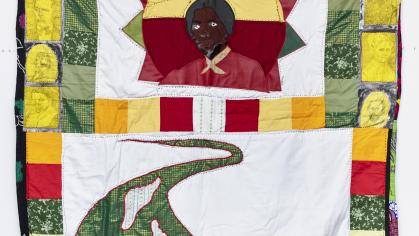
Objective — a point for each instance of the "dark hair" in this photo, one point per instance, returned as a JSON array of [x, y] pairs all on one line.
[[221, 8]]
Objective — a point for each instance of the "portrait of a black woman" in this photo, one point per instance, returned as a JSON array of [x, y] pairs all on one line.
[[210, 24]]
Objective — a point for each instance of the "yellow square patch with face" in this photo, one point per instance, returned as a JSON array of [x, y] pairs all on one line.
[[381, 12], [42, 107], [43, 20], [379, 57], [41, 64]]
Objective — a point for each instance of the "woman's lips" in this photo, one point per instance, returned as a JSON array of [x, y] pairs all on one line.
[[205, 44]]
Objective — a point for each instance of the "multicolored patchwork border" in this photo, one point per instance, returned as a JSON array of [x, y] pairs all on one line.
[[69, 48]]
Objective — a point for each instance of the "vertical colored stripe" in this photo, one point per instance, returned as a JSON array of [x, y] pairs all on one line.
[[368, 178], [43, 181], [43, 148]]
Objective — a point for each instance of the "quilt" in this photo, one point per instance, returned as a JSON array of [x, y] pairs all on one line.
[[207, 117]]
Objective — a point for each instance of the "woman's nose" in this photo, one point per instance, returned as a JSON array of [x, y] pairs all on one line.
[[204, 33]]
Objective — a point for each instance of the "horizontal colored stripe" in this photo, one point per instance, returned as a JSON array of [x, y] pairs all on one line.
[[111, 116], [176, 114], [368, 178], [308, 113], [43, 181], [144, 115], [370, 144], [45, 217], [43, 148], [242, 115], [275, 114], [261, 10]]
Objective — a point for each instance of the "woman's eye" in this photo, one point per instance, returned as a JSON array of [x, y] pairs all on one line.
[[196, 26], [213, 24]]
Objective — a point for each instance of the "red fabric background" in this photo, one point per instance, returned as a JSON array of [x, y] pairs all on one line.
[[176, 114], [242, 115], [170, 46], [43, 181], [368, 178]]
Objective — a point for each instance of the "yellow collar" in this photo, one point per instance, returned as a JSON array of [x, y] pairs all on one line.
[[212, 64]]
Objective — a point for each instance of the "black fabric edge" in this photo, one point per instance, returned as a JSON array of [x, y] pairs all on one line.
[[20, 133]]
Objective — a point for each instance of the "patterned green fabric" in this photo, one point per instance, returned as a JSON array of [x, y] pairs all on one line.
[[367, 213], [78, 116], [80, 48], [393, 162], [340, 119], [341, 61], [342, 27], [81, 16], [106, 216], [19, 171], [45, 216]]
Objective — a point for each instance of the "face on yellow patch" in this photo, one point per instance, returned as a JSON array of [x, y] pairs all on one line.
[[379, 57], [41, 64], [375, 110], [42, 106]]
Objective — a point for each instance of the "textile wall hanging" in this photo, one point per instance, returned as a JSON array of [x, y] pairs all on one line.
[[207, 117]]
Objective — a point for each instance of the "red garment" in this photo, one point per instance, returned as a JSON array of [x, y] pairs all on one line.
[[240, 72]]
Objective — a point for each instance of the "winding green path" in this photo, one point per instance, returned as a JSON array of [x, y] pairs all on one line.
[[106, 216]]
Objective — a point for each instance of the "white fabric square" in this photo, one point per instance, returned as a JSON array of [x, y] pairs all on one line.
[[288, 183]]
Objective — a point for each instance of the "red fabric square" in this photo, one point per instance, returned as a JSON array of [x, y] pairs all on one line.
[[176, 114], [43, 181], [242, 115], [368, 178]]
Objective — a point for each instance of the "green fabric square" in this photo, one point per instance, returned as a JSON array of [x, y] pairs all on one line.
[[80, 48], [341, 95], [78, 116], [78, 82], [81, 16], [340, 119], [393, 145], [344, 5], [343, 27], [341, 61], [367, 213], [45, 216]]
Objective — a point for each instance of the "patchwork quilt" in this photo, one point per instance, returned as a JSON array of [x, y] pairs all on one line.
[[207, 117]]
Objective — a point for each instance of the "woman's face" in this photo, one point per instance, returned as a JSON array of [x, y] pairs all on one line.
[[208, 31]]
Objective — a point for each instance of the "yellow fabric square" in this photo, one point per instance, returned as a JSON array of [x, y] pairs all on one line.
[[43, 20], [381, 12], [251, 10], [111, 116], [379, 57], [275, 114], [369, 144], [144, 115], [41, 64], [43, 148], [42, 106], [366, 233], [308, 113], [375, 110]]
